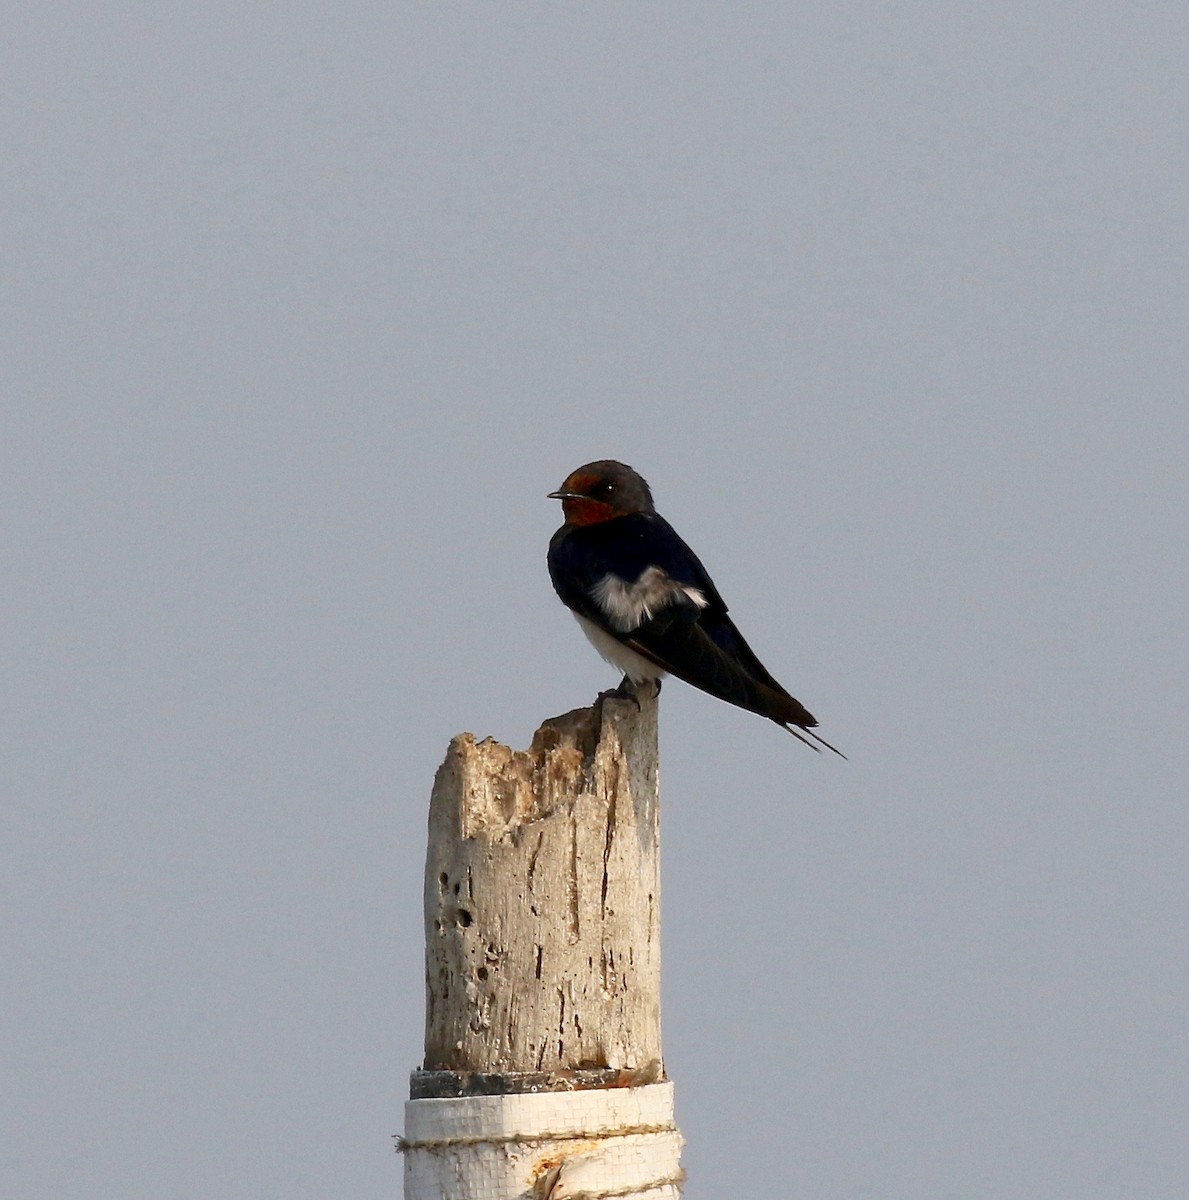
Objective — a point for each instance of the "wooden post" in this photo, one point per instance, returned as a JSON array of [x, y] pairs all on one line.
[[543, 1072]]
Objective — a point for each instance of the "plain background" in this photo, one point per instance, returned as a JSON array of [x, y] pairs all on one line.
[[306, 307]]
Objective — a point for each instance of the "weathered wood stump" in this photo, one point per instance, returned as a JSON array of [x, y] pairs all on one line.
[[543, 1073], [542, 908]]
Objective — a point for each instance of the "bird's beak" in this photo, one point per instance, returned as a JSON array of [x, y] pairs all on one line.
[[563, 496]]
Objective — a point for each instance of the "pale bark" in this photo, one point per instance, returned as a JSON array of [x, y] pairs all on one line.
[[542, 901]]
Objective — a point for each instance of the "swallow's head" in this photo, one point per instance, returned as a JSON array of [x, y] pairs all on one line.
[[601, 491]]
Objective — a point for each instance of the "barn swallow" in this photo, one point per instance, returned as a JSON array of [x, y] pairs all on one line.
[[647, 604]]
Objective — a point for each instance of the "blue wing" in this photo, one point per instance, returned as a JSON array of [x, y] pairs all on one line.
[[695, 640]]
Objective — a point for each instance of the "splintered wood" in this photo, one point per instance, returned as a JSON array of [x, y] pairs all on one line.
[[542, 900]]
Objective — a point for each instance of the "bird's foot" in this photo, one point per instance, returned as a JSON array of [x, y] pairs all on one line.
[[628, 689], [625, 690]]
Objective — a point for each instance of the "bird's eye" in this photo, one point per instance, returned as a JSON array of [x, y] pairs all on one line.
[[606, 488]]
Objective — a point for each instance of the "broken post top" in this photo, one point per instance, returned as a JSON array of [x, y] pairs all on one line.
[[542, 903]]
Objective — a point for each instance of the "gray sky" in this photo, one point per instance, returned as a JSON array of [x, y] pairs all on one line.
[[306, 309]]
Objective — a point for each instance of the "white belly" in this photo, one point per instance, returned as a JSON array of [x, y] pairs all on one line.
[[635, 666]]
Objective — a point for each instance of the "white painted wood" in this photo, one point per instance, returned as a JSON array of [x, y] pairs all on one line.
[[560, 1145], [542, 900]]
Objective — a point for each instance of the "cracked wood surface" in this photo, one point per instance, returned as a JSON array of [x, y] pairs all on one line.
[[542, 899]]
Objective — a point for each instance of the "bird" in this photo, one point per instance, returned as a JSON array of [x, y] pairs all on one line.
[[648, 605]]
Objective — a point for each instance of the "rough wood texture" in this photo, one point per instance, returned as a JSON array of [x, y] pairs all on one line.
[[542, 900]]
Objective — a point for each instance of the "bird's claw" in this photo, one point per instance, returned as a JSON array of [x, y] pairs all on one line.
[[627, 689]]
